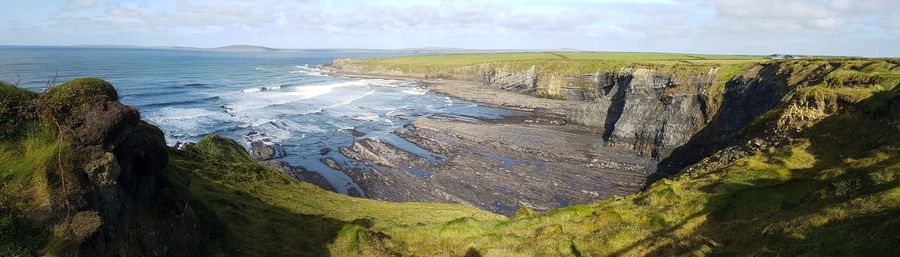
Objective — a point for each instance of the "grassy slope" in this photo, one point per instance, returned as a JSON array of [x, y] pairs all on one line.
[[271, 214], [25, 149], [23, 191], [834, 190]]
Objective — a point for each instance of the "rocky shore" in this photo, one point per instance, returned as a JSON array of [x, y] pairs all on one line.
[[498, 166], [539, 161]]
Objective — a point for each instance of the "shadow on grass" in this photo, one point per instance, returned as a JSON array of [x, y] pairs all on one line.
[[262, 229], [838, 207], [242, 224]]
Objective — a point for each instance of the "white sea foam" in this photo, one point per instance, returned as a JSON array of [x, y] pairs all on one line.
[[261, 99], [366, 117], [350, 101], [310, 70], [182, 123], [414, 91], [250, 90], [258, 89], [176, 114]]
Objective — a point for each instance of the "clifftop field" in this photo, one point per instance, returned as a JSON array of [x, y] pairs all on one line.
[[817, 175], [551, 64], [589, 61]]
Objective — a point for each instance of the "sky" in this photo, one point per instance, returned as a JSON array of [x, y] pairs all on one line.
[[815, 27]]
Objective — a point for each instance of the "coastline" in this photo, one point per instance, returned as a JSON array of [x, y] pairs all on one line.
[[537, 160], [473, 92]]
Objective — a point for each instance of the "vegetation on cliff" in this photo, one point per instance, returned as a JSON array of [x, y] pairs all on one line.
[[817, 175], [549, 67]]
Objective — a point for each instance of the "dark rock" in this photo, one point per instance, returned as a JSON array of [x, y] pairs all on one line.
[[325, 150], [351, 191], [117, 200], [382, 154], [263, 151], [523, 82], [356, 133], [103, 121], [300, 174]]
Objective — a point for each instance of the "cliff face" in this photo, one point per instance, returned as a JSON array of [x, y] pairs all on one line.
[[656, 109], [646, 110], [642, 109]]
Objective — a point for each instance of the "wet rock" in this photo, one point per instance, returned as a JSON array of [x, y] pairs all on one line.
[[183, 145], [325, 150], [356, 133], [265, 151], [368, 150], [300, 173], [331, 163], [498, 167], [351, 191]]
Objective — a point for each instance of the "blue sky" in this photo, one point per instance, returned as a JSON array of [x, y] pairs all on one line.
[[834, 27]]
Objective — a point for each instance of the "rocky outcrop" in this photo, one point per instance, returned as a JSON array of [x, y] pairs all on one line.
[[382, 154], [112, 196], [264, 151], [522, 82], [643, 110]]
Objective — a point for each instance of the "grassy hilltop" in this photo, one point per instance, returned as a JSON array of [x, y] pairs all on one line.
[[552, 64], [828, 186]]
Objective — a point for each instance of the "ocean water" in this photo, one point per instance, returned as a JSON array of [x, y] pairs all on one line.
[[275, 97]]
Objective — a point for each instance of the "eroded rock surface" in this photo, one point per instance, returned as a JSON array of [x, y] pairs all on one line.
[[497, 166]]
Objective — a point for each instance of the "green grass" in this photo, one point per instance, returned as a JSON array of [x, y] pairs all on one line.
[[554, 64], [24, 192], [269, 213], [834, 190]]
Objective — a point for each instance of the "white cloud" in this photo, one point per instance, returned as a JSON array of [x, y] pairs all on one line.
[[736, 26], [82, 3]]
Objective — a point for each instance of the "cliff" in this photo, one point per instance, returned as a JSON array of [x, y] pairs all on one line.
[[648, 107], [652, 107]]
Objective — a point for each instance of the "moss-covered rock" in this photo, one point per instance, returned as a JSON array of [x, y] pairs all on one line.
[[76, 97], [15, 107]]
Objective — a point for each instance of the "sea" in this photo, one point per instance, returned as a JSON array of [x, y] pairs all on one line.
[[276, 97]]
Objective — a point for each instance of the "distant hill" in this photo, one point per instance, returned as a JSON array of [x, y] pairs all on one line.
[[247, 48]]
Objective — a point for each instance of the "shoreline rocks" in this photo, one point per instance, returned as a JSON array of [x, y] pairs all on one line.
[[263, 151]]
